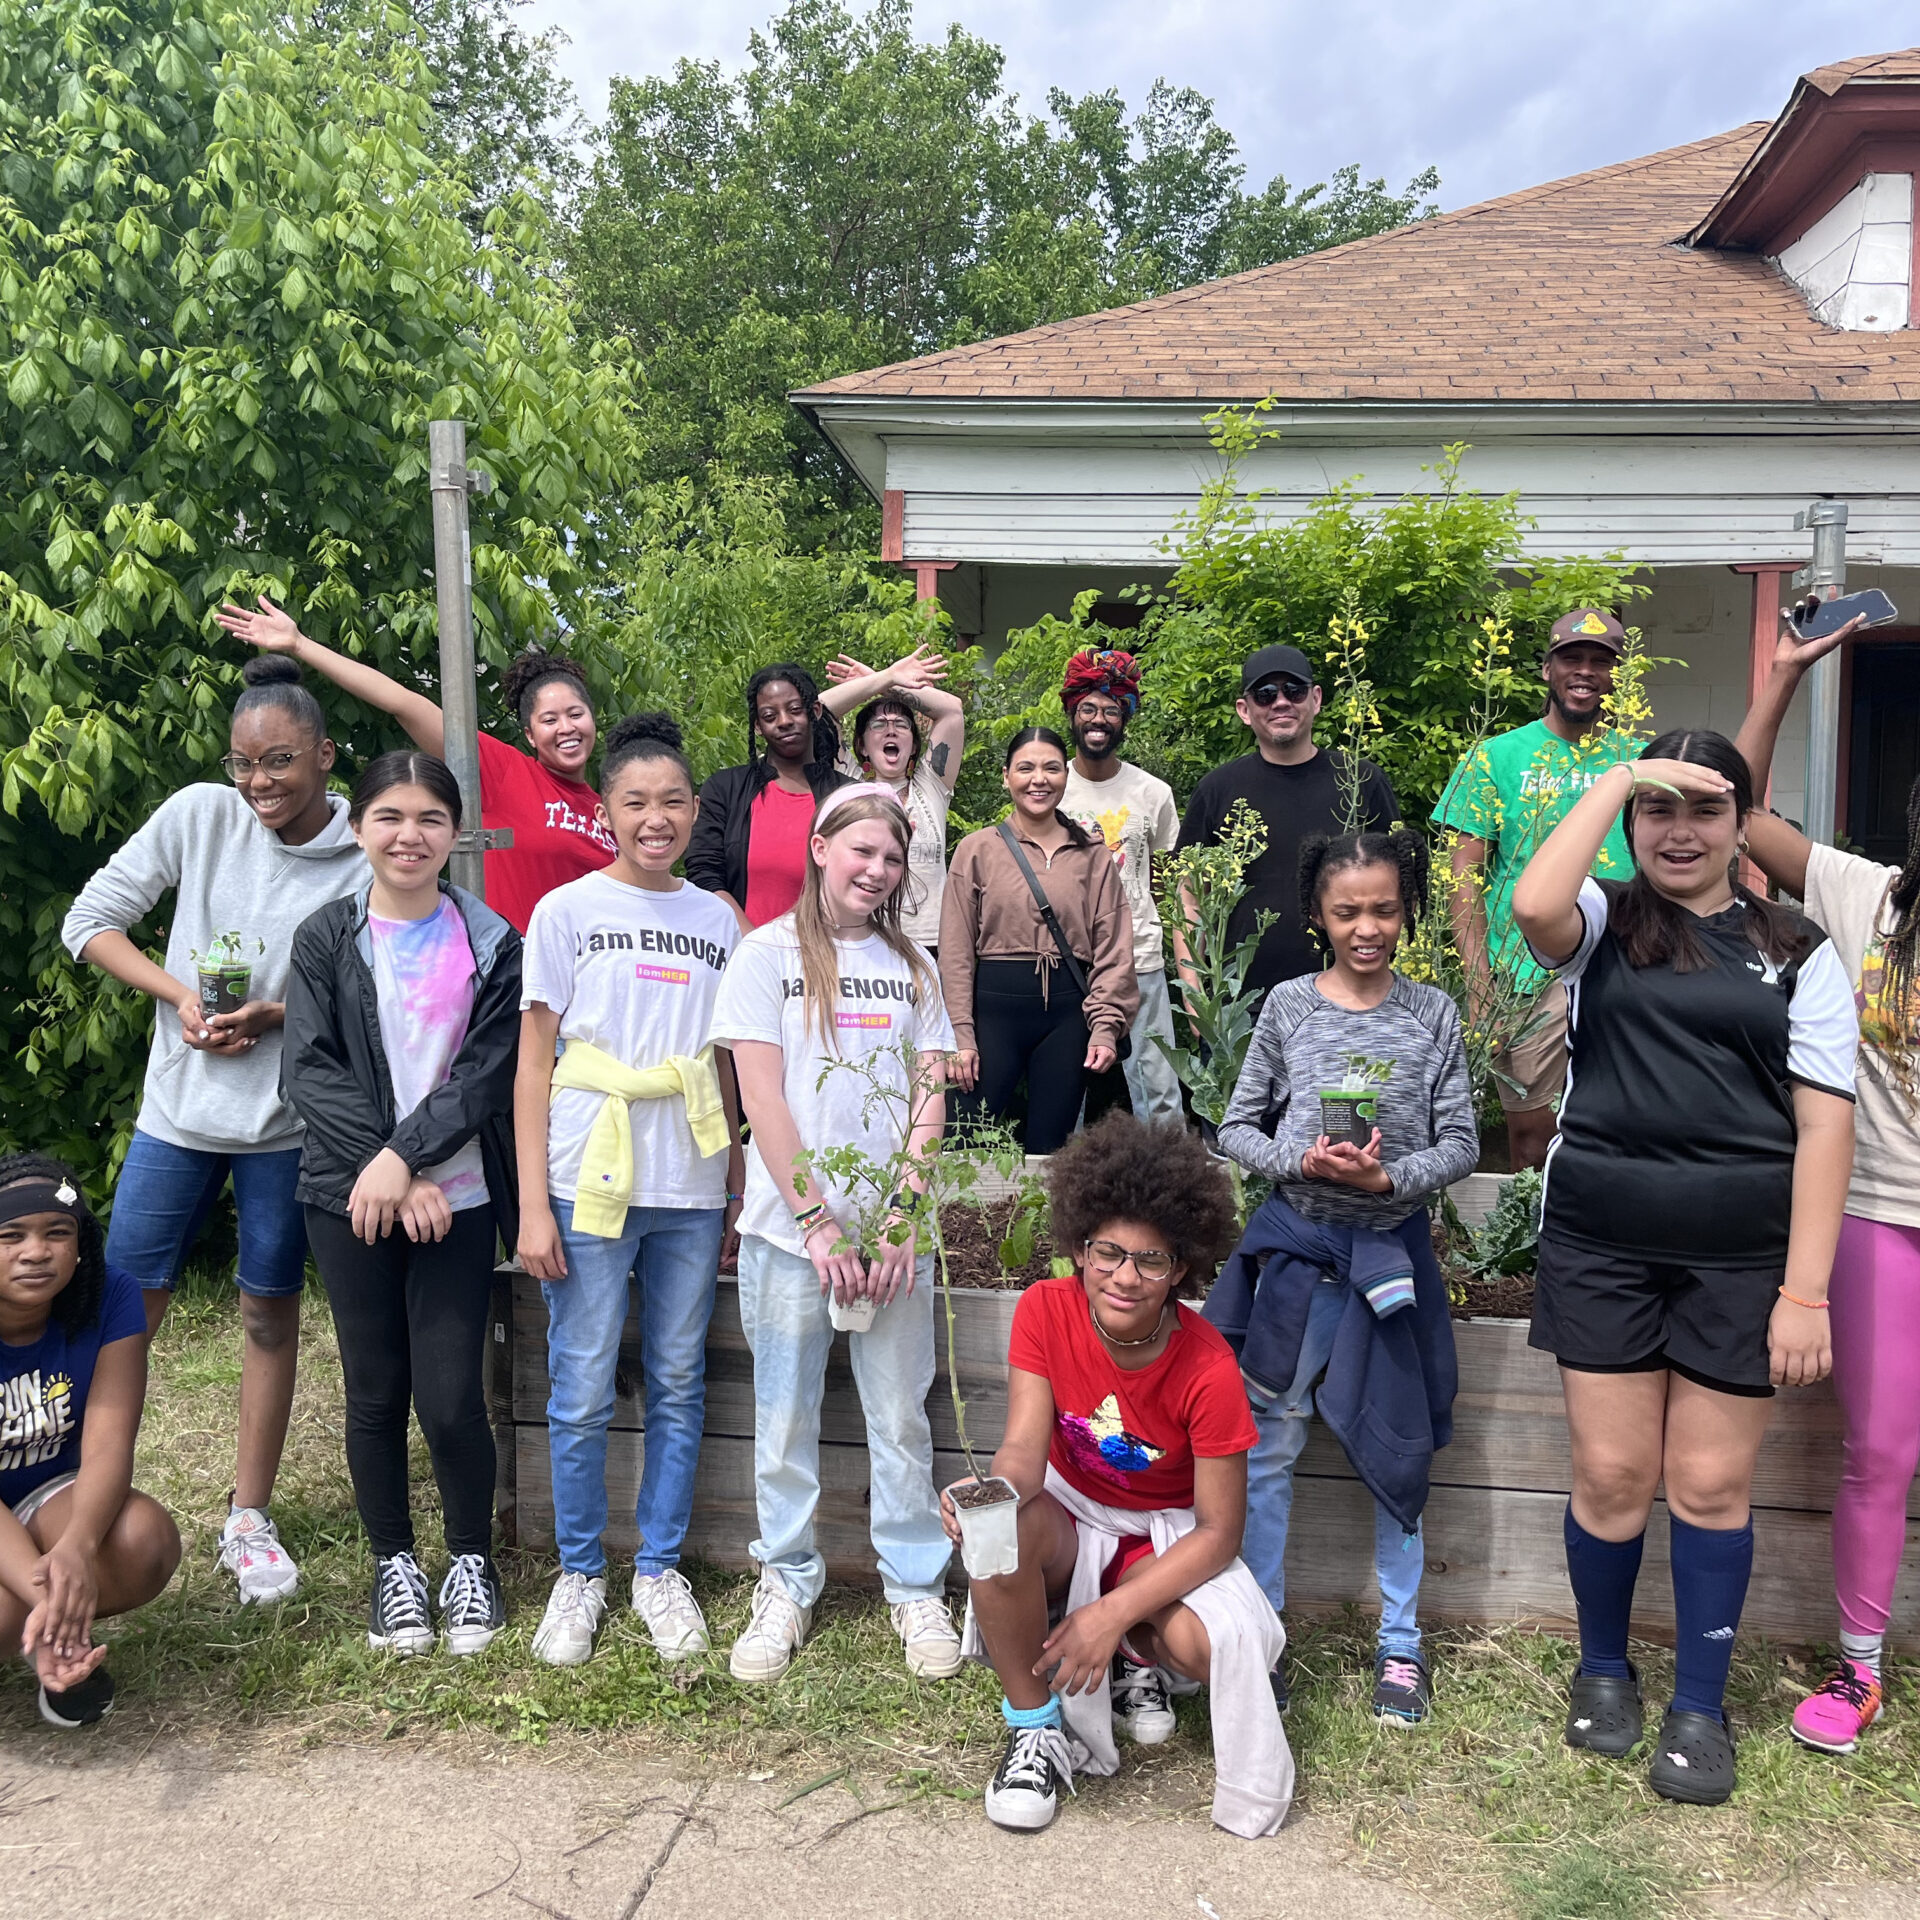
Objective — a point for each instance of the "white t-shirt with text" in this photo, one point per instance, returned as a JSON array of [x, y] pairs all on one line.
[[882, 1016], [634, 973], [1137, 817]]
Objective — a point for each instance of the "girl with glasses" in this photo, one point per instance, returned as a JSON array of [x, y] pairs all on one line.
[[1335, 1275], [1126, 1440], [254, 853]]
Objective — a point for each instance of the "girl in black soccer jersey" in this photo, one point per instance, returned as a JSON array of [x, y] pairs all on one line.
[[1692, 1205]]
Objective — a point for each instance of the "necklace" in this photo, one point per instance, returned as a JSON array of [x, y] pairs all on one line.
[[1113, 1339]]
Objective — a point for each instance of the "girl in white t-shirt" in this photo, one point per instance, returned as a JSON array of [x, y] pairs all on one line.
[[836, 1025], [630, 1171]]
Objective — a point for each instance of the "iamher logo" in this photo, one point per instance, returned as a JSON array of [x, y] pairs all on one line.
[[673, 976], [866, 1021]]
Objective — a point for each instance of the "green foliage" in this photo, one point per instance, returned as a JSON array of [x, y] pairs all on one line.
[[1419, 575], [856, 196], [235, 286], [1508, 1240]]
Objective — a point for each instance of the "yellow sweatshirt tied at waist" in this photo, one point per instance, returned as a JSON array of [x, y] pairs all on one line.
[[605, 1190]]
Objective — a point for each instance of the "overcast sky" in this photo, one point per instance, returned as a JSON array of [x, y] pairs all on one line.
[[1500, 94]]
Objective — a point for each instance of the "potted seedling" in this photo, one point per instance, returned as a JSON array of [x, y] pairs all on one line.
[[226, 972], [1351, 1111], [887, 1202]]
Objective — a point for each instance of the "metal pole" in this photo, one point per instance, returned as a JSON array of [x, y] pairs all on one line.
[[1826, 577], [453, 588]]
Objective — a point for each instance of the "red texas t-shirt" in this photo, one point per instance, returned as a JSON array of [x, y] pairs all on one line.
[[557, 836], [1129, 1439]]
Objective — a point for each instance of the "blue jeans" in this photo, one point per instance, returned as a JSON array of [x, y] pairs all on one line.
[[163, 1197], [673, 1254], [1152, 1084], [1398, 1558], [785, 1317]]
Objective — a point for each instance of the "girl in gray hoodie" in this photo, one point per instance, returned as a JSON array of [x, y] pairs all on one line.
[[252, 856]]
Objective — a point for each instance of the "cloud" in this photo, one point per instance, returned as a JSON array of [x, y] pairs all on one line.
[[1500, 94]]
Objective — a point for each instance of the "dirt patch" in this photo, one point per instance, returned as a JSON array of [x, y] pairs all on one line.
[[973, 1235], [1506, 1297]]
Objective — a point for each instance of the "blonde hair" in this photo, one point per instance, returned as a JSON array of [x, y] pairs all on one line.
[[819, 953]]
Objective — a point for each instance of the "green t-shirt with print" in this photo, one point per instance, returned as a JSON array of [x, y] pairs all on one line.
[[1511, 792]]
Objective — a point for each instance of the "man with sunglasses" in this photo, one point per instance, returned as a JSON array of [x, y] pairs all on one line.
[[1298, 789]]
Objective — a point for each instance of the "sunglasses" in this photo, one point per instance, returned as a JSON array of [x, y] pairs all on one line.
[[1287, 686]]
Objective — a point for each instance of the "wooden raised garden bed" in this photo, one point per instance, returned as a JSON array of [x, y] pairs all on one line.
[[1493, 1525]]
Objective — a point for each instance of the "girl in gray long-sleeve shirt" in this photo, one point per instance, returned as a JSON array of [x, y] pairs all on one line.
[[1356, 1212]]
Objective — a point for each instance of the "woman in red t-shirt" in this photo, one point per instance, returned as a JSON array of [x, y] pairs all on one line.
[[1127, 1438], [541, 797]]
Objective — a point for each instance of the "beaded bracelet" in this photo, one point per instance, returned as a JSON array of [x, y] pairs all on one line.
[[1818, 1306], [810, 1217]]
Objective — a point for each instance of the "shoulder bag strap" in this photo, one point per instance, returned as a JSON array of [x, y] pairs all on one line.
[[1075, 971]]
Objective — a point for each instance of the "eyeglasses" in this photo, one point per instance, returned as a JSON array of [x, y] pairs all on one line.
[[889, 723], [1288, 686], [275, 765], [1109, 1256]]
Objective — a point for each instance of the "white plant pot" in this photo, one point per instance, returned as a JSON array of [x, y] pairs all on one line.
[[990, 1535], [855, 1316]]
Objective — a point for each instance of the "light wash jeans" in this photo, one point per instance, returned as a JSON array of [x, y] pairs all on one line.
[[1152, 1084], [1398, 1558], [784, 1315], [673, 1255]]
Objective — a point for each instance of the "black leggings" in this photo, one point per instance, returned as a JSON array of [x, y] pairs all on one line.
[[412, 1326], [1019, 1038]]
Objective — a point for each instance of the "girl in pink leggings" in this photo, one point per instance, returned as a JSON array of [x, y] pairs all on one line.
[[1872, 915]]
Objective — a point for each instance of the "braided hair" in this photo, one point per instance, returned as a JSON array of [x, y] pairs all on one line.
[[77, 1305], [1323, 855], [826, 731], [1899, 955]]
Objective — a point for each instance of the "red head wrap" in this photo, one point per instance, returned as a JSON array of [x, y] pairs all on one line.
[[1102, 670]]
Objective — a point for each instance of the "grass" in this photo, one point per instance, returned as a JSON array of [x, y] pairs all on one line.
[[1483, 1807]]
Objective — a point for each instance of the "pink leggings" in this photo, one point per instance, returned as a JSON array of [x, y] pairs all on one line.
[[1876, 1373]]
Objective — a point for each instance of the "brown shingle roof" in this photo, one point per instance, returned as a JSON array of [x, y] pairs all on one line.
[[1575, 290]]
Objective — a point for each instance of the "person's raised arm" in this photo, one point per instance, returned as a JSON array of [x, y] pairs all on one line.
[[1546, 897], [916, 681], [1778, 848], [273, 631], [539, 1248]]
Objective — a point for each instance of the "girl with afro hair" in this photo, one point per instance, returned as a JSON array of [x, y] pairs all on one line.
[[1126, 1441]]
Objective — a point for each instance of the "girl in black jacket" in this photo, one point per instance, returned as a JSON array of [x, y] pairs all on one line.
[[755, 823], [403, 1020]]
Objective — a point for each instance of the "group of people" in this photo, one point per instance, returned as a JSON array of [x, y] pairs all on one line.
[[650, 1050]]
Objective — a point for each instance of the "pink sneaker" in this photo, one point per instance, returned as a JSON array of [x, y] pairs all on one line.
[[1844, 1705]]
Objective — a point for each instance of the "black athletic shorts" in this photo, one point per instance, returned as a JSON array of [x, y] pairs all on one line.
[[1606, 1313]]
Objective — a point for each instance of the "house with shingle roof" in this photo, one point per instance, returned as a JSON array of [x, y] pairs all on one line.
[[1668, 358]]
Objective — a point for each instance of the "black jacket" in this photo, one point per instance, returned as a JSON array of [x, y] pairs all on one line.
[[334, 1070], [717, 852]]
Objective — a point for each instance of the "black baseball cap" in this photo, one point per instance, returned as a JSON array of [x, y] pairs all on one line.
[[1270, 662]]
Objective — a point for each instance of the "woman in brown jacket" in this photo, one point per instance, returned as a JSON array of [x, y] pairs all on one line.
[[1018, 1012]]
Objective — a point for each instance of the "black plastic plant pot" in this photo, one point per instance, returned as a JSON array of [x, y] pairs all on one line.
[[1348, 1114], [989, 1514], [224, 989]]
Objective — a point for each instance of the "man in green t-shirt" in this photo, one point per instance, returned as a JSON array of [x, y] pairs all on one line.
[[1503, 800]]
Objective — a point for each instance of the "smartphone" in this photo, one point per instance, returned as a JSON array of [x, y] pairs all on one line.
[[1813, 618]]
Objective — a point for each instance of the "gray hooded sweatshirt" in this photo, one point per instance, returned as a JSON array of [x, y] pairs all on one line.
[[229, 872]]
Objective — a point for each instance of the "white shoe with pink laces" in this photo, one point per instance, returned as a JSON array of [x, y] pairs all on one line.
[[250, 1550]]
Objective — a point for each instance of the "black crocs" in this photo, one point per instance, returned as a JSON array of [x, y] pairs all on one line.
[[1604, 1715], [1692, 1759]]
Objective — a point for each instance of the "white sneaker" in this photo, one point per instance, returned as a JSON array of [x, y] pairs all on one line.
[[1139, 1695], [1025, 1788], [250, 1550], [575, 1609], [671, 1614], [926, 1631], [774, 1630]]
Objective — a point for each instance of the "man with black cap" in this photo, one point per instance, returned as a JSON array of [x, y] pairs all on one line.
[[1503, 800], [1296, 788]]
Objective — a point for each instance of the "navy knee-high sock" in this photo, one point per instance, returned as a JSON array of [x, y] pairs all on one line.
[[1603, 1573], [1711, 1567]]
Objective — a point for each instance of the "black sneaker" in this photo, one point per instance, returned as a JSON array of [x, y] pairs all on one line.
[[1281, 1681], [1142, 1706], [1025, 1788], [472, 1608], [397, 1619], [1604, 1713], [1692, 1759], [1402, 1689], [79, 1706]]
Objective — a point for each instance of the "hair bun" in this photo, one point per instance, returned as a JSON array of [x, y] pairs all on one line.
[[271, 670], [655, 725]]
